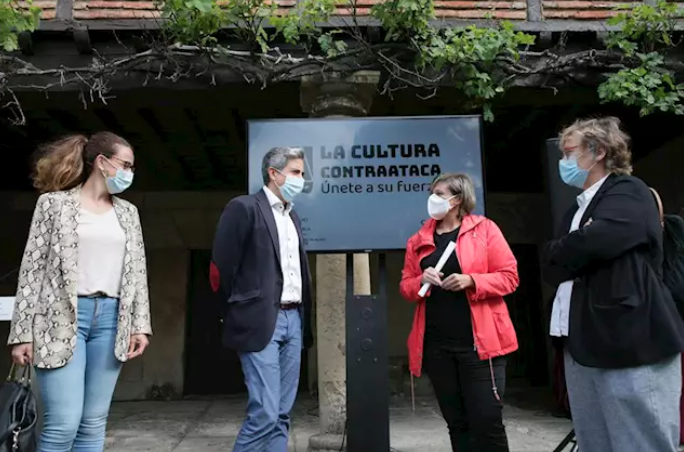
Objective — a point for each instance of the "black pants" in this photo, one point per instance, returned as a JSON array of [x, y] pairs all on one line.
[[463, 386]]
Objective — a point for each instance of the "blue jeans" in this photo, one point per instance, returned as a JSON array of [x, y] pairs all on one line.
[[272, 379], [76, 397]]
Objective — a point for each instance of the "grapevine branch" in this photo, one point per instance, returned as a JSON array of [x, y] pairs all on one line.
[[185, 62], [481, 62]]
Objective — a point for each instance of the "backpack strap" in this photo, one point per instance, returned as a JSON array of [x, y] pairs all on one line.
[[659, 202]]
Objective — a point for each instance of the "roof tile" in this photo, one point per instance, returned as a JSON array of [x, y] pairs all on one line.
[[145, 9], [457, 9]]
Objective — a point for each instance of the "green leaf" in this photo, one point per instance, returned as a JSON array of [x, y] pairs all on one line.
[[15, 20]]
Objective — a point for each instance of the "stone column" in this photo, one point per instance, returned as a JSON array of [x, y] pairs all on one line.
[[335, 96]]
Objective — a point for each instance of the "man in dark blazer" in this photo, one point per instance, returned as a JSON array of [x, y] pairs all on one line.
[[622, 334], [261, 274]]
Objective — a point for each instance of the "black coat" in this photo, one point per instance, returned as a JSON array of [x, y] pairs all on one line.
[[621, 313], [246, 257]]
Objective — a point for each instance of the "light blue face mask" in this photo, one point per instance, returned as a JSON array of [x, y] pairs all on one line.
[[119, 182], [571, 173], [292, 187]]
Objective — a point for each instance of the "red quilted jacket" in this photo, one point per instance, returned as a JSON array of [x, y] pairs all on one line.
[[484, 254]]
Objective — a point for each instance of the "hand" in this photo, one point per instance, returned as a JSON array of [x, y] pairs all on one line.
[[432, 276], [137, 346], [22, 354], [457, 282]]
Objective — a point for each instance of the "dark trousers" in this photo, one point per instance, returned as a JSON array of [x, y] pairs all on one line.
[[464, 389]]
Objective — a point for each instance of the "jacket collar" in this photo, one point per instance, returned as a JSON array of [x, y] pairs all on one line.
[[610, 181], [74, 197], [427, 231]]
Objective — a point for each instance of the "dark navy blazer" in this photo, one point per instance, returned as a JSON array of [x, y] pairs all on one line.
[[246, 273]]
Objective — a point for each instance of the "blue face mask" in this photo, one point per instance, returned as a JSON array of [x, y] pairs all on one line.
[[291, 188], [119, 182], [572, 174]]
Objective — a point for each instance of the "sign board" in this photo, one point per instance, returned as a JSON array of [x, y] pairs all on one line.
[[6, 308], [368, 179]]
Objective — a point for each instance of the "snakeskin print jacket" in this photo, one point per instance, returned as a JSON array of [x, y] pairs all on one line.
[[46, 303]]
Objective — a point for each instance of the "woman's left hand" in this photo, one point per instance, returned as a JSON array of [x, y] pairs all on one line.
[[457, 282], [137, 346]]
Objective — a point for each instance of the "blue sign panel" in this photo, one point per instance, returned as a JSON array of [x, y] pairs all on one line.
[[368, 180]]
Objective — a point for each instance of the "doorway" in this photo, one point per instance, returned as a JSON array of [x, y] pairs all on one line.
[[525, 307], [210, 368]]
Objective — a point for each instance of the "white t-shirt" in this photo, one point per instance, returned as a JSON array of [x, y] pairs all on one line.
[[101, 250]]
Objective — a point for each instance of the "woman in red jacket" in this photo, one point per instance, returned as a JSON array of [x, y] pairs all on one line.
[[461, 326]]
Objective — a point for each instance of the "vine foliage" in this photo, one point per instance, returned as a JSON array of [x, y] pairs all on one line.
[[646, 36], [266, 44], [14, 21], [410, 50]]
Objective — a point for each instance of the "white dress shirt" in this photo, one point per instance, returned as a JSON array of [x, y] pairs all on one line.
[[289, 249], [560, 314]]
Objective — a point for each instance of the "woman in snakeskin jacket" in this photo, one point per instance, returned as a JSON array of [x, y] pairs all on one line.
[[82, 305]]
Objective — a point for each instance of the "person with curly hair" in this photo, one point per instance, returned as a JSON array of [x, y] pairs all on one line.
[[621, 331]]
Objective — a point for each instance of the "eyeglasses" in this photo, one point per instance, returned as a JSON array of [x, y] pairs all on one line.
[[569, 151], [128, 166]]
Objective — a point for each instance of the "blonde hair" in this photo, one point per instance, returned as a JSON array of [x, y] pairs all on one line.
[[461, 186], [67, 162], [607, 134]]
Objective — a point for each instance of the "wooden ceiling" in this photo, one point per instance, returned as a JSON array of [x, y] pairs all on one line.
[[196, 140]]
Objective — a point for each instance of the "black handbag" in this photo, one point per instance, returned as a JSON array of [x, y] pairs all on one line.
[[18, 413]]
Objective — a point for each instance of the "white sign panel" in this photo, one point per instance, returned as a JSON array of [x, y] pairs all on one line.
[[367, 180], [6, 308]]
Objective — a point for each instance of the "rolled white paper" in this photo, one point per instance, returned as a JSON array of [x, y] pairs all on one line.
[[440, 264]]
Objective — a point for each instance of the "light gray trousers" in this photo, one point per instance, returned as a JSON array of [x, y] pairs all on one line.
[[625, 410]]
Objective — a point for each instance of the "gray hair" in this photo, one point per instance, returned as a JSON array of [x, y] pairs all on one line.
[[278, 158], [461, 186]]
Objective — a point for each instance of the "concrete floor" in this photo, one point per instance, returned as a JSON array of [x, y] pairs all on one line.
[[211, 426]]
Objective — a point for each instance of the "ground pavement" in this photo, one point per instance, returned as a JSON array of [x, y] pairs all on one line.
[[211, 426]]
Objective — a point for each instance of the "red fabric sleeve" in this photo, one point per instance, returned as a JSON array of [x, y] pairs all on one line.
[[502, 276], [411, 275]]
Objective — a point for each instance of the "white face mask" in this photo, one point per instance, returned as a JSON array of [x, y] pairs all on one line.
[[438, 207]]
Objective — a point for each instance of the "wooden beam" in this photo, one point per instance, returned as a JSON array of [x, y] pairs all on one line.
[[521, 25], [602, 38], [132, 80], [185, 142], [26, 43], [64, 13], [534, 11], [545, 39], [82, 40], [65, 119], [211, 129], [180, 171]]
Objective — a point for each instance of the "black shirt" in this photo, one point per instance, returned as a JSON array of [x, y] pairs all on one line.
[[447, 316]]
